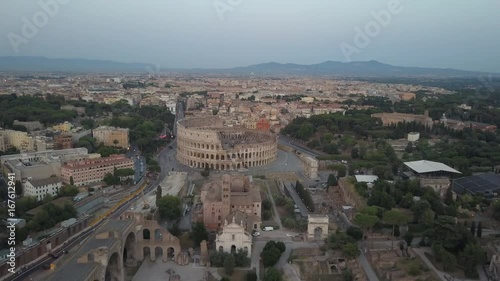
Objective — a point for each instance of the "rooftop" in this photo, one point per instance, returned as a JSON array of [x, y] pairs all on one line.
[[46, 181], [59, 202], [366, 178], [425, 166], [486, 184], [81, 271], [108, 161]]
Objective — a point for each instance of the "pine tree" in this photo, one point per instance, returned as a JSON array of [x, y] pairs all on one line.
[[479, 230]]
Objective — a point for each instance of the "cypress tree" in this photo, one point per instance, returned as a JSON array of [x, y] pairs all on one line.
[[473, 228], [479, 230]]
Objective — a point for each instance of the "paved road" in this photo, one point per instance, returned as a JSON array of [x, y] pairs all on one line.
[[284, 140], [285, 162], [277, 235]]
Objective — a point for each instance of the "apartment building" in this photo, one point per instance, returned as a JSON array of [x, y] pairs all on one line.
[[88, 171], [20, 140], [112, 136], [41, 187], [40, 165], [395, 118]]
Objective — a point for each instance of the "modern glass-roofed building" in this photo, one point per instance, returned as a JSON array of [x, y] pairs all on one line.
[[485, 184]]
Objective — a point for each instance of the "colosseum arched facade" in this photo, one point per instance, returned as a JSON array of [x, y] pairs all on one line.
[[205, 142]]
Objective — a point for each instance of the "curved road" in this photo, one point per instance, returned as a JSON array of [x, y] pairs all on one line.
[[284, 140]]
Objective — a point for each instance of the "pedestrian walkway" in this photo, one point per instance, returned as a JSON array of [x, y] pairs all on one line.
[[370, 274], [277, 218], [214, 273]]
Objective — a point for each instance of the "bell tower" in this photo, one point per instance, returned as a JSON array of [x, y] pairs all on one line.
[[226, 195]]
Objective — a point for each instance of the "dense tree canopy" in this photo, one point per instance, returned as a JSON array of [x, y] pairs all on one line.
[[169, 207]]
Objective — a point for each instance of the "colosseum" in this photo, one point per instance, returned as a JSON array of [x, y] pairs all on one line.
[[205, 142]]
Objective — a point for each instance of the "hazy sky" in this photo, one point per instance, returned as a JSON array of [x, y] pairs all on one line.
[[461, 34]]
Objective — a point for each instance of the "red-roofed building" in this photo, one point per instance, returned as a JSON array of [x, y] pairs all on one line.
[[263, 125], [89, 171]]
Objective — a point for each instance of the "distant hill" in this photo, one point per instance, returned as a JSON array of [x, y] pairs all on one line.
[[42, 64], [357, 68], [328, 68]]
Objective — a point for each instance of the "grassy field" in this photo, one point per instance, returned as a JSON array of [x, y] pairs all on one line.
[[416, 268]]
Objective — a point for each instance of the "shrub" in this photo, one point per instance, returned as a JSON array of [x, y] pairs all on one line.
[[414, 268], [266, 215], [266, 204], [289, 223], [229, 264], [280, 201], [251, 276], [281, 246], [355, 232]]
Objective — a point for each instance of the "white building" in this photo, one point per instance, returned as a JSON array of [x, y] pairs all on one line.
[[234, 237], [39, 188], [413, 136]]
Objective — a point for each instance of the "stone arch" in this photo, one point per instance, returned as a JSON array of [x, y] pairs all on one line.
[[158, 253], [146, 234], [113, 269], [221, 249], [146, 251], [233, 249], [171, 253], [318, 233], [128, 249], [158, 235]]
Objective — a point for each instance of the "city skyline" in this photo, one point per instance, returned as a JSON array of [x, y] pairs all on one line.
[[225, 34]]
